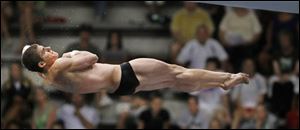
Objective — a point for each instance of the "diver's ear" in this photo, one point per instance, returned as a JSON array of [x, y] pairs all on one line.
[[42, 64]]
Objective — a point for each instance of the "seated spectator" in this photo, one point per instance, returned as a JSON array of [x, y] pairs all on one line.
[[284, 85], [30, 14], [264, 119], [115, 53], [211, 99], [264, 61], [253, 93], [154, 13], [282, 21], [84, 44], [44, 114], [129, 119], [215, 124], [78, 115], [6, 14], [198, 50], [222, 115], [26, 21], [102, 99], [292, 121], [139, 104], [239, 26], [244, 118], [239, 32], [18, 114], [154, 117], [40, 11], [58, 124], [12, 125], [122, 109], [213, 64], [194, 118], [216, 13], [184, 24], [16, 85], [101, 10], [287, 52]]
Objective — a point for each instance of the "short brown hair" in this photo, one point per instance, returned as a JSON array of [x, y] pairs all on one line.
[[31, 58]]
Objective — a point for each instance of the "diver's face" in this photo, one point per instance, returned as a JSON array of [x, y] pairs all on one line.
[[47, 54]]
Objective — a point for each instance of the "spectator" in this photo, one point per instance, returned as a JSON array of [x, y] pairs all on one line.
[[12, 125], [154, 13], [101, 10], [292, 121], [139, 104], [249, 95], [211, 99], [78, 115], [198, 50], [40, 11], [6, 14], [30, 14], [26, 22], [215, 101], [129, 119], [284, 85], [222, 115], [239, 32], [264, 61], [264, 120], [216, 13], [282, 22], [243, 118], [44, 114], [194, 118], [16, 85], [58, 124], [115, 53], [155, 117], [18, 114], [215, 124], [184, 24], [123, 108], [84, 44], [287, 52], [102, 99]]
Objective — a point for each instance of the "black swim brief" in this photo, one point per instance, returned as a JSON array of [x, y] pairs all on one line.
[[128, 82]]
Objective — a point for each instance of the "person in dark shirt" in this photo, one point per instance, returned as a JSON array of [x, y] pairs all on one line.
[[155, 117], [285, 83], [16, 97], [17, 85], [114, 53], [84, 44], [282, 21]]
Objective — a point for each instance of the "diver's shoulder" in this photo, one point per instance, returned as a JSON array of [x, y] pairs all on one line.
[[61, 64]]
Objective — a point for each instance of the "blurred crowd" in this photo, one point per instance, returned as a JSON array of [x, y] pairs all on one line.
[[260, 43]]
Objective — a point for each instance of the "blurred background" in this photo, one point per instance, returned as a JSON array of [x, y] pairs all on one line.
[[262, 43]]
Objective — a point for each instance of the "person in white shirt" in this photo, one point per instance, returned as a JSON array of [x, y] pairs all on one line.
[[239, 26], [213, 98], [78, 115], [194, 117], [253, 93], [198, 50], [239, 32]]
